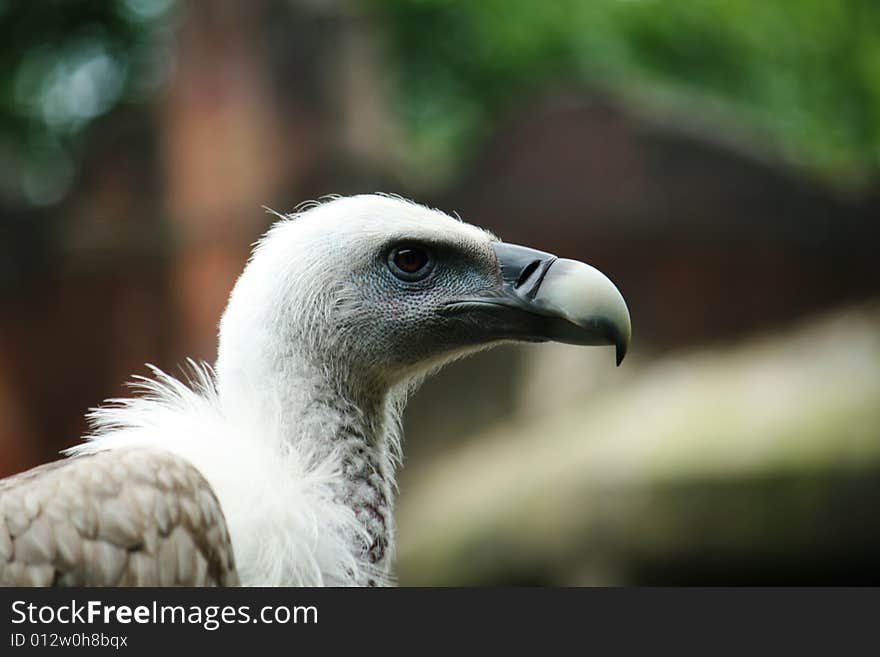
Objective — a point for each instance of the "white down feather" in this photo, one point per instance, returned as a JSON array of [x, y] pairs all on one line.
[[285, 526]]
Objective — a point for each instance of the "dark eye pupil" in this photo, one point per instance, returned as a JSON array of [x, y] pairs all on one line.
[[410, 260]]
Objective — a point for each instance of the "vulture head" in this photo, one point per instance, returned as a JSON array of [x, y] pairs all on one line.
[[375, 291], [292, 440]]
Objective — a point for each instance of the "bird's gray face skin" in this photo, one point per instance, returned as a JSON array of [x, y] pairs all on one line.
[[426, 302]]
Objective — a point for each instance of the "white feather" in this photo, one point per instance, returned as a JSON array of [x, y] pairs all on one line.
[[285, 526]]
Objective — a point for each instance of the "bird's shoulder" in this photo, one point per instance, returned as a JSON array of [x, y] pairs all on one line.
[[122, 517]]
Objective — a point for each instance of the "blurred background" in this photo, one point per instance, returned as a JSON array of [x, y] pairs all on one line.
[[719, 159]]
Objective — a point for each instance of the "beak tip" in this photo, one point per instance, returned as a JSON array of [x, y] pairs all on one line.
[[621, 352]]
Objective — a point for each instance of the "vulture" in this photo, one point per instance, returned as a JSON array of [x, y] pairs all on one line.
[[276, 466]]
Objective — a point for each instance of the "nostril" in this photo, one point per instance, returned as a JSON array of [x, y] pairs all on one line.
[[526, 273]]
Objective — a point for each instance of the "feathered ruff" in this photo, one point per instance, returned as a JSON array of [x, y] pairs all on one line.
[[286, 527]]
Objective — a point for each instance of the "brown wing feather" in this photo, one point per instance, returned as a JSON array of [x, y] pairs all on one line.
[[126, 517]]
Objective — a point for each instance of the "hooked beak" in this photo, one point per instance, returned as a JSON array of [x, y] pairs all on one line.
[[542, 297]]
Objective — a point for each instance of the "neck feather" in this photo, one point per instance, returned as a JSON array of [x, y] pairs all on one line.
[[325, 414]]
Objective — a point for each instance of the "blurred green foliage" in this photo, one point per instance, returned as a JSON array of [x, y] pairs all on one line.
[[63, 63], [803, 77]]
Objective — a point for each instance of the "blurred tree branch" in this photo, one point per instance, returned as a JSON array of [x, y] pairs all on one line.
[[803, 78]]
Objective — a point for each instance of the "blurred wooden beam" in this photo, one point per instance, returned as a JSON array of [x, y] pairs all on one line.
[[223, 158], [762, 458]]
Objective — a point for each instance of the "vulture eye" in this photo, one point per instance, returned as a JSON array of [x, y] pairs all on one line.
[[410, 262]]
